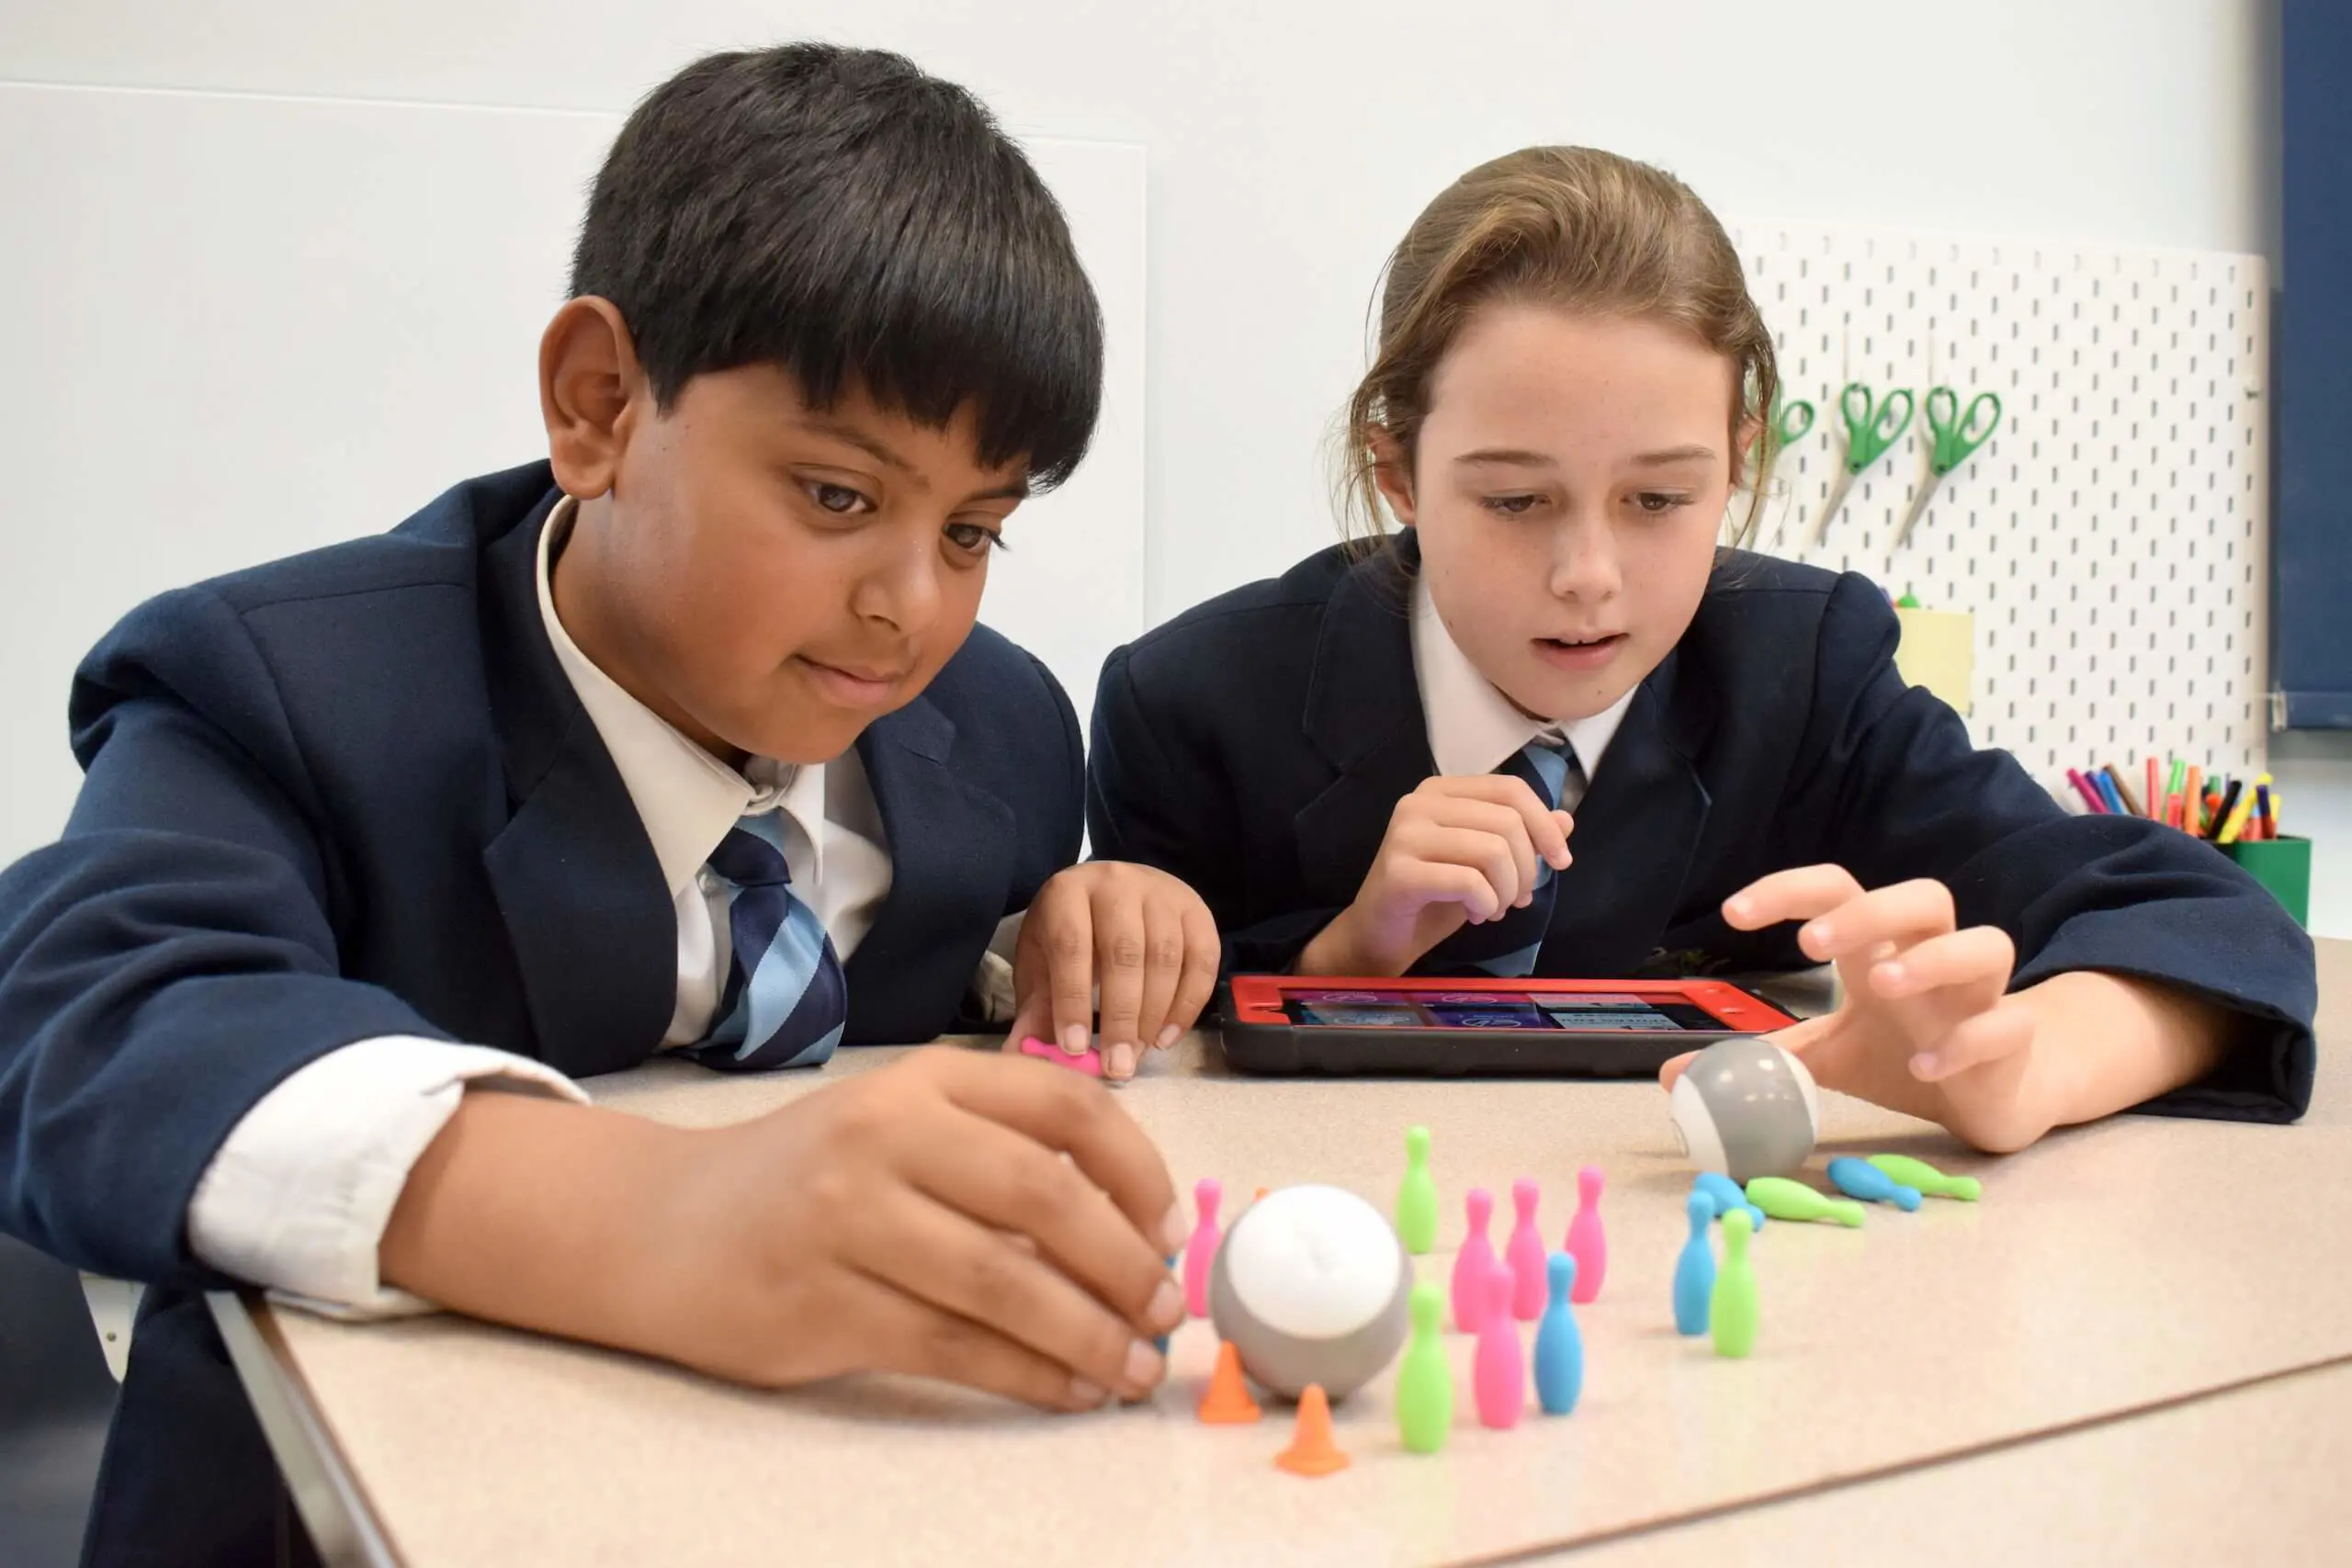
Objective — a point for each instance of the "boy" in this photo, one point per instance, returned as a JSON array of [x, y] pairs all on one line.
[[682, 739]]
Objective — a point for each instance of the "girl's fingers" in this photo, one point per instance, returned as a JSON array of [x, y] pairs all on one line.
[[1547, 829], [1505, 825], [1981, 955], [1990, 1038], [1426, 882], [1799, 894], [1484, 853], [1164, 956], [1905, 913]]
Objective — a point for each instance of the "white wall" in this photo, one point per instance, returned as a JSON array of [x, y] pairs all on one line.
[[1289, 144]]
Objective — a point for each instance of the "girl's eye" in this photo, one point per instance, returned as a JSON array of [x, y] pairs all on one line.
[[1658, 502], [974, 539], [839, 500], [1512, 505]]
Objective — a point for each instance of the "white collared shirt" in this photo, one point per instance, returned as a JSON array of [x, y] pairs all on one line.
[[1474, 728], [297, 1195]]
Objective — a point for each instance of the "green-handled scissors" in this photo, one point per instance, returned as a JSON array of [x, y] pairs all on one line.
[[1955, 436], [1790, 422], [1871, 427]]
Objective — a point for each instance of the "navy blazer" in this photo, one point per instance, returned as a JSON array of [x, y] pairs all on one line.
[[1257, 745], [353, 794]]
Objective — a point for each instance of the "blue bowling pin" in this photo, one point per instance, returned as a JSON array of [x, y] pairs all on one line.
[[1725, 1195], [1559, 1345], [1694, 1272], [1860, 1178]]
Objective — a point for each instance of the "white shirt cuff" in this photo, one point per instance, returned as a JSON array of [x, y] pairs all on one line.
[[297, 1195]]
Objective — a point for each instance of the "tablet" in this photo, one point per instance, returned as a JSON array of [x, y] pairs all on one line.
[[1416, 1027]]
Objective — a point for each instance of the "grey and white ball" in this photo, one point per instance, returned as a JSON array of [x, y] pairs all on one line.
[[1746, 1108], [1311, 1286]]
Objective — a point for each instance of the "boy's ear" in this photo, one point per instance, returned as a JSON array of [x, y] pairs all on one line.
[[592, 393], [1393, 475]]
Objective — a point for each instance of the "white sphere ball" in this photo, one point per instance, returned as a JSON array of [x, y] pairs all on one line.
[[1311, 1286]]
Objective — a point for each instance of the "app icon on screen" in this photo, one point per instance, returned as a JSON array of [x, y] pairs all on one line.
[[1373, 1017], [1489, 1017]]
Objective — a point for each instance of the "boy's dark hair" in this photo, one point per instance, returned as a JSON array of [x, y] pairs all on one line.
[[839, 213]]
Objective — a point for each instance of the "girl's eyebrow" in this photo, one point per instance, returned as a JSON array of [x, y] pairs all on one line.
[[1512, 455], [1520, 458]]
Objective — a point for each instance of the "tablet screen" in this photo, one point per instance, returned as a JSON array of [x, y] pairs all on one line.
[[1583, 1011]]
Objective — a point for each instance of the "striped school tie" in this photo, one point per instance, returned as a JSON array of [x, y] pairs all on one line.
[[1508, 947], [784, 1003]]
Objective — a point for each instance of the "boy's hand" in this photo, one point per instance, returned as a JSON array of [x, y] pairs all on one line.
[[1928, 1026], [921, 1219], [1142, 938], [1458, 851]]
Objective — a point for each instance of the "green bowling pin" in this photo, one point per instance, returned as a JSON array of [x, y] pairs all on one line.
[[1730, 1308], [1926, 1178], [1786, 1200], [1425, 1379], [1417, 1200]]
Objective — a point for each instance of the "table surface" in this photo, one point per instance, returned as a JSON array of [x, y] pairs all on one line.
[[2139, 1305]]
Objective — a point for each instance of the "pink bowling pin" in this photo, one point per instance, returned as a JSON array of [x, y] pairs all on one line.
[[1529, 1288], [1200, 1252], [1471, 1264], [1588, 1242], [1499, 1373]]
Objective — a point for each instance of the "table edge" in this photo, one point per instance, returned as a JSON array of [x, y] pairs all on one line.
[[326, 1493]]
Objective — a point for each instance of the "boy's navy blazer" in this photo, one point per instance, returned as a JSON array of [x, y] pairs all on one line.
[[353, 794], [1257, 746]]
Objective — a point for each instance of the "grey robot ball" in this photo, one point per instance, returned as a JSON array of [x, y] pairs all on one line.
[[1311, 1286], [1746, 1108]]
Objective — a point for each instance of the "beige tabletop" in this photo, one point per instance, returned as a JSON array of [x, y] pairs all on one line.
[[2115, 1277]]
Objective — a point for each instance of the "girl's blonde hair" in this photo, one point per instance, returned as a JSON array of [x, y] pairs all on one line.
[[1582, 229]]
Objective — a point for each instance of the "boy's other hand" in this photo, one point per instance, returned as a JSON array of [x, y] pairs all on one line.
[[922, 1218], [1139, 937]]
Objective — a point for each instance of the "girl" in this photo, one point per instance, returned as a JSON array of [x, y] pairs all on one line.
[[1368, 765]]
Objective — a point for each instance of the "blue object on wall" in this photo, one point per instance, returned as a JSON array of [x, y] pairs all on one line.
[[2311, 633]]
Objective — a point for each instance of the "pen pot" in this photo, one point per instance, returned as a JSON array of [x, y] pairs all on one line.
[[2284, 867]]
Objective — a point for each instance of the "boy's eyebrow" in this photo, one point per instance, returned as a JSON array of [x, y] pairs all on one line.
[[851, 436], [1017, 490]]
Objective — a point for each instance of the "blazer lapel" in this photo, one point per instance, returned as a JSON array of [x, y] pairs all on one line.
[[951, 859], [582, 896], [1363, 712], [1634, 836]]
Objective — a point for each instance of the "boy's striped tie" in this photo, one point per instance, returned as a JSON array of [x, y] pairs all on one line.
[[1508, 946], [785, 1002]]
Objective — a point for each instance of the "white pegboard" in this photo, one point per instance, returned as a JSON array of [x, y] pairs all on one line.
[[2109, 538]]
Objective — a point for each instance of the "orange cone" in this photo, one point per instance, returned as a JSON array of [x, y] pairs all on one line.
[[1227, 1401], [1312, 1451]]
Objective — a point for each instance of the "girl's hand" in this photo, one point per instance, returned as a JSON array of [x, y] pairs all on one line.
[[1928, 1026], [1139, 936], [1458, 851]]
